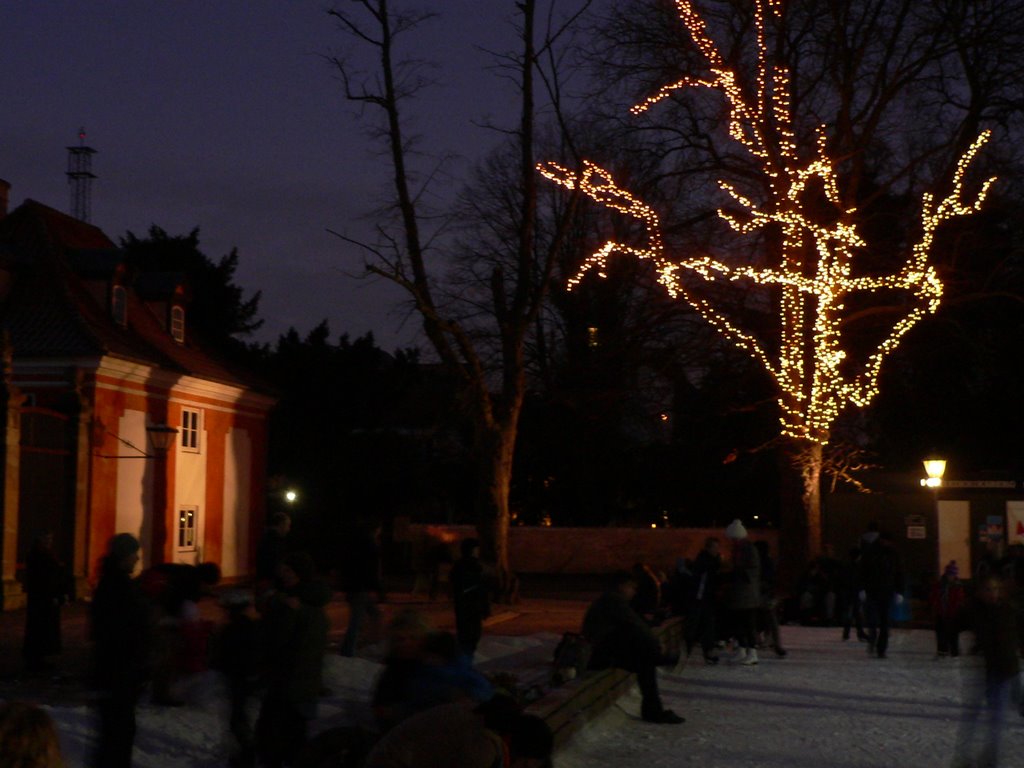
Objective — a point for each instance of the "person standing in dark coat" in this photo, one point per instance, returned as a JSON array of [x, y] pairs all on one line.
[[238, 658], [849, 609], [360, 578], [295, 637], [120, 616], [271, 550], [470, 597], [619, 637], [47, 587], [702, 608], [881, 585]]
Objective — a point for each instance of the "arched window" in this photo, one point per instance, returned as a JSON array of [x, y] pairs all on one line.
[[119, 305], [178, 323]]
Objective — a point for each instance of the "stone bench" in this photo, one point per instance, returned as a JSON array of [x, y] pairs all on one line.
[[570, 706]]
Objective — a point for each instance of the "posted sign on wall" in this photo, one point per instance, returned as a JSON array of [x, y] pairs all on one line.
[[1015, 522]]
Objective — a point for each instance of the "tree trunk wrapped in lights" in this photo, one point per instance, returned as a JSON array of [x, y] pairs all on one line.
[[811, 274]]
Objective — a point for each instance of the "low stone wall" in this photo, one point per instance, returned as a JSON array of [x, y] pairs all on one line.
[[590, 550]]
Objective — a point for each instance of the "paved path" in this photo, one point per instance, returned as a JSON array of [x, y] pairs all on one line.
[[826, 704]]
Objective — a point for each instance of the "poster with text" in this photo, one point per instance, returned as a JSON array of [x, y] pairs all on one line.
[[1015, 522]]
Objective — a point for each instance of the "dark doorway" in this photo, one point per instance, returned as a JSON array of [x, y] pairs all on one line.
[[46, 486]]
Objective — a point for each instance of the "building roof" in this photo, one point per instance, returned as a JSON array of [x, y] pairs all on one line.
[[51, 307]]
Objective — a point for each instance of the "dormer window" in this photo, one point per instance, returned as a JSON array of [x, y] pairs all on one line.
[[178, 323], [119, 305]]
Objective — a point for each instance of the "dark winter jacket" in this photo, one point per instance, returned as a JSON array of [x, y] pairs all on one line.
[[360, 566], [608, 619], [469, 590], [47, 586], [995, 631], [295, 633], [648, 590], [881, 572], [745, 579], [392, 693], [705, 576], [270, 554], [121, 630], [238, 653], [681, 587], [767, 575]]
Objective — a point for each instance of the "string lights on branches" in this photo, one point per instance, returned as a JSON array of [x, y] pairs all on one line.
[[814, 378]]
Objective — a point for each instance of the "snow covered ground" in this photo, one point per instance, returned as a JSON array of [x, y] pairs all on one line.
[[195, 736], [827, 704]]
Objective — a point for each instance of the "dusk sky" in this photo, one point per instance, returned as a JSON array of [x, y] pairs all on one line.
[[224, 114]]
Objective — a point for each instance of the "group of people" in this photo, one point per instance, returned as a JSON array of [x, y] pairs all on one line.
[[737, 603], [717, 604], [148, 631]]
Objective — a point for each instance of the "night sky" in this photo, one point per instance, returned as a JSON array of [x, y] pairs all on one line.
[[224, 114]]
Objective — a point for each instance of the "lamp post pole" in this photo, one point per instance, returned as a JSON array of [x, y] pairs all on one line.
[[935, 468]]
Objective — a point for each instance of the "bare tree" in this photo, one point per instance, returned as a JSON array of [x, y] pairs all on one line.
[[487, 357]]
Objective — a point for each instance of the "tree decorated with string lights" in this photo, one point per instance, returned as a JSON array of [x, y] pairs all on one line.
[[809, 265]]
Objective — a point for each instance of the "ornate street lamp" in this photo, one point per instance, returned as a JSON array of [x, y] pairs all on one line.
[[161, 438], [935, 468]]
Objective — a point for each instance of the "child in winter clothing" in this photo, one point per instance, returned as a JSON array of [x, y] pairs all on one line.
[[947, 603]]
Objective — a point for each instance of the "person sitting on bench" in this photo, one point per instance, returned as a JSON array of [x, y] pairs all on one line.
[[619, 637]]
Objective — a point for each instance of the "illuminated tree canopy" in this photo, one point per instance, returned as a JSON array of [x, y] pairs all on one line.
[[815, 274]]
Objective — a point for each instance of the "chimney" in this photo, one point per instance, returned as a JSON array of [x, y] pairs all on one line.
[[5, 195]]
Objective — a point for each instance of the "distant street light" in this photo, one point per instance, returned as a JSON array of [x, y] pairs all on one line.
[[935, 468], [291, 496]]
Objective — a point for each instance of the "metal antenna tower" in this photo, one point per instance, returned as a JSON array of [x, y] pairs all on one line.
[[80, 178]]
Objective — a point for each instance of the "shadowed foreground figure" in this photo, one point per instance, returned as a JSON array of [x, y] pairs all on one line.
[[122, 633], [47, 587], [28, 737], [621, 638], [469, 596], [991, 687], [295, 638], [493, 735], [881, 585]]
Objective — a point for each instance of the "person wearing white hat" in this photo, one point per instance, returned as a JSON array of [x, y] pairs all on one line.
[[744, 594]]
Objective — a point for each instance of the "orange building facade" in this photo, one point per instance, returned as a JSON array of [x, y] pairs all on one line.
[[99, 365]]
